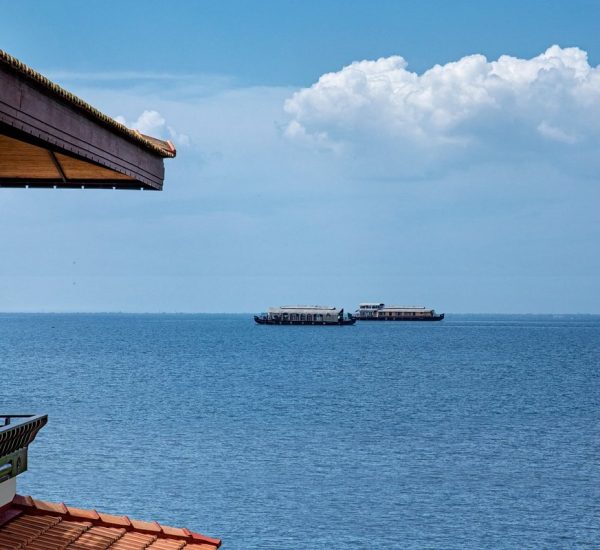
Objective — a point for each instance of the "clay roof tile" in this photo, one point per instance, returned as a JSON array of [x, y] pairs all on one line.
[[200, 538], [22, 501], [82, 514], [175, 531], [52, 507], [40, 525], [116, 521], [146, 526]]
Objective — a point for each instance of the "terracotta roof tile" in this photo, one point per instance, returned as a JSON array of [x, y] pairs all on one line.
[[55, 508], [23, 501], [109, 519], [83, 514], [175, 531], [167, 544], [100, 538], [198, 538], [134, 541], [24, 530], [146, 526], [29, 524], [58, 536]]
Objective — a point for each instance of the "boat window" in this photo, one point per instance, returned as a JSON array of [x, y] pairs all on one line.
[[302, 317], [309, 317]]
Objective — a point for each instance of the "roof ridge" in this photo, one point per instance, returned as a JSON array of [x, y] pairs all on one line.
[[32, 74], [99, 519]]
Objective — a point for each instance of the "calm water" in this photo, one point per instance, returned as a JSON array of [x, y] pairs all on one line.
[[475, 432]]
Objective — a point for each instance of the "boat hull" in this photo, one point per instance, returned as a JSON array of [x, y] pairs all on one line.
[[402, 319], [262, 321]]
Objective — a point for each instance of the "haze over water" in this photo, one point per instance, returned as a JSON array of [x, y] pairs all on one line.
[[478, 431]]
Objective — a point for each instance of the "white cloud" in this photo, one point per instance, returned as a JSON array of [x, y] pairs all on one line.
[[552, 100], [554, 133], [488, 225], [152, 123]]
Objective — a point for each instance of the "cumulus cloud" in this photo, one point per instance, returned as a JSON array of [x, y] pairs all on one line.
[[152, 123], [549, 101]]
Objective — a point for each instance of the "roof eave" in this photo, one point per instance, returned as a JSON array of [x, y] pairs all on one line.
[[165, 150]]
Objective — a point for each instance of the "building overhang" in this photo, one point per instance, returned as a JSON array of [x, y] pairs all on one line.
[[51, 138], [16, 433]]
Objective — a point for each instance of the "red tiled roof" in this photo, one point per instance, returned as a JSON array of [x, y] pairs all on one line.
[[30, 524]]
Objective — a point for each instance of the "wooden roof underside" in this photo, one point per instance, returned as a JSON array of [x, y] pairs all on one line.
[[49, 138], [23, 164]]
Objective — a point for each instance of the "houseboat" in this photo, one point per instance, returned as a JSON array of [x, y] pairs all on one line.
[[381, 312], [304, 315]]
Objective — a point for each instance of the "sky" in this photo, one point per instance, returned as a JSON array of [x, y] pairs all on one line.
[[436, 153]]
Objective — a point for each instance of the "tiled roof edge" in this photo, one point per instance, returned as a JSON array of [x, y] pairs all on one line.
[[108, 520], [8, 514], [168, 151]]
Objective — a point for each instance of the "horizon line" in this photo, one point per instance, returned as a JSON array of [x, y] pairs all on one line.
[[108, 312]]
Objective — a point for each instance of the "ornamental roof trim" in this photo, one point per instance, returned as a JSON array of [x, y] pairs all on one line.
[[164, 149]]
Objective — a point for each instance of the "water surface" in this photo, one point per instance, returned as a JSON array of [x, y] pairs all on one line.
[[478, 431]]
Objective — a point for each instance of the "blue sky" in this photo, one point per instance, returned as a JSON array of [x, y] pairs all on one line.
[[469, 187]]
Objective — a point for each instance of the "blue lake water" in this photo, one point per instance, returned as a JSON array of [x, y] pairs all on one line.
[[475, 432]]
